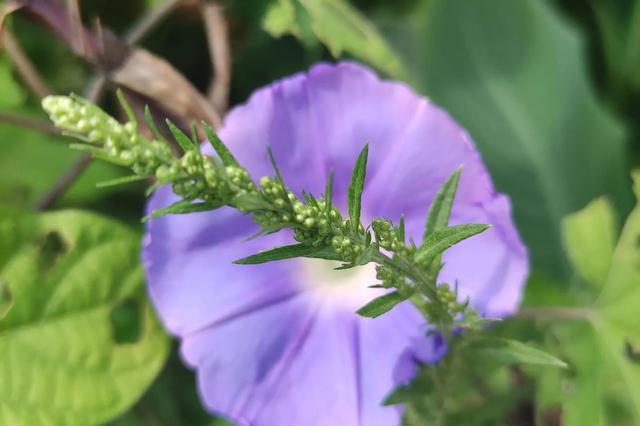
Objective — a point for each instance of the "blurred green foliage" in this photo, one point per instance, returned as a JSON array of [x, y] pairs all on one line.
[[548, 89]]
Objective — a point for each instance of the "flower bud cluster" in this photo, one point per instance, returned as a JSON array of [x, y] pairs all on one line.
[[310, 222], [122, 143], [387, 237], [389, 278], [449, 300]]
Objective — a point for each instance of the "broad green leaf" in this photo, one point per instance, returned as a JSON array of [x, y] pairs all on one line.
[[381, 305], [183, 207], [440, 208], [338, 25], [440, 240], [590, 236], [289, 252], [356, 186], [62, 360], [614, 313], [221, 149], [513, 73], [514, 352]]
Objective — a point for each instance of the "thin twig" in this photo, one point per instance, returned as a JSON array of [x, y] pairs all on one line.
[[220, 53], [28, 122], [556, 313], [149, 21], [25, 67], [77, 36], [65, 181]]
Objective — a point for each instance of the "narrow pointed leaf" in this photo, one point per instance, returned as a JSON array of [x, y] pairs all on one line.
[[440, 209], [221, 149], [126, 106], [279, 177], [98, 153], [183, 207], [288, 252], [514, 352], [182, 139], [382, 304], [151, 124], [194, 134], [442, 239], [328, 194], [120, 181], [356, 186]]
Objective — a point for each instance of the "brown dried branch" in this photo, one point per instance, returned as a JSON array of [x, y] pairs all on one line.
[[25, 67], [28, 122], [220, 53]]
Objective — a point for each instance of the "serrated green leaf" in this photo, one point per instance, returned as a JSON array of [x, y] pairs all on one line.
[[289, 252], [60, 362], [439, 241], [183, 140], [440, 208], [183, 207], [219, 147], [515, 352], [590, 238], [381, 305], [338, 25], [356, 186]]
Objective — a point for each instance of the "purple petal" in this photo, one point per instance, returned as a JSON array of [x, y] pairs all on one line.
[[279, 344]]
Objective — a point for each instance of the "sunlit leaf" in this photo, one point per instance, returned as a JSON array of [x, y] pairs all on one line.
[[61, 362]]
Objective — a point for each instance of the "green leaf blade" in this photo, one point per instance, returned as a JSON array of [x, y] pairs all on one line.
[[183, 207], [356, 187], [183, 140], [440, 209], [219, 147], [515, 352], [382, 304], [289, 252], [442, 239]]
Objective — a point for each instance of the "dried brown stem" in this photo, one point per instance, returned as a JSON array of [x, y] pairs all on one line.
[[28, 122], [220, 53], [25, 67], [150, 20]]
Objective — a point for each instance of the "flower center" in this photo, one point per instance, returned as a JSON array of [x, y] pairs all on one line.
[[346, 288]]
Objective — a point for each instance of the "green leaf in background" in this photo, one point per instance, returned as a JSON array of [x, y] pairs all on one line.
[[513, 352], [338, 25], [514, 75], [598, 348], [590, 236], [80, 343], [31, 162]]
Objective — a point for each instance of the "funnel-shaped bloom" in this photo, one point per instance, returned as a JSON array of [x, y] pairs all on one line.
[[279, 344]]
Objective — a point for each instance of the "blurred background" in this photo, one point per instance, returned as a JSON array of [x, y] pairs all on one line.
[[548, 89]]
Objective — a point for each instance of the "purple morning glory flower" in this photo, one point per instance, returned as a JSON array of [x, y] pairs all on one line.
[[280, 344]]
